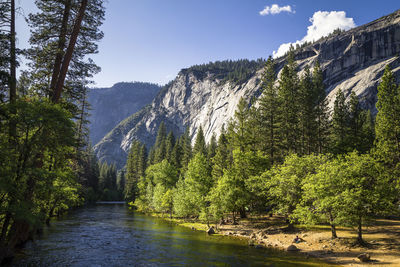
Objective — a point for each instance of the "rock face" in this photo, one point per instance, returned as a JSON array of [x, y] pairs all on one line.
[[351, 61], [111, 105]]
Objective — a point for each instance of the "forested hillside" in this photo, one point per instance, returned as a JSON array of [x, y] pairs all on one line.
[[287, 155]]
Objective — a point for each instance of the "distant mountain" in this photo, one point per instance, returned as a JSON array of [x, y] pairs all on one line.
[[111, 105], [207, 95]]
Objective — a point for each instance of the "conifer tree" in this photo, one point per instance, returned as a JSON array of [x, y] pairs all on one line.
[[211, 148], [307, 115], [186, 145], [321, 109], [340, 125], [221, 159], [169, 146], [268, 117], [133, 172], [289, 108], [238, 129], [200, 143], [387, 127]]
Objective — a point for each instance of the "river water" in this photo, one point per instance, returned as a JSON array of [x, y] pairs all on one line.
[[113, 235]]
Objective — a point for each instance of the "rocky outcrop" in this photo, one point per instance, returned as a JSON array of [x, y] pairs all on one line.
[[351, 61], [111, 105]]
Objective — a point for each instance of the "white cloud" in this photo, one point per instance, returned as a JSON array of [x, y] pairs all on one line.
[[322, 24], [276, 9]]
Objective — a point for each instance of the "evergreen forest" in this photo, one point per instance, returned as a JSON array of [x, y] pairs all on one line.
[[285, 153]]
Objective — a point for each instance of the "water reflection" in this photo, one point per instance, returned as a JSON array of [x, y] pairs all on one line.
[[111, 235]]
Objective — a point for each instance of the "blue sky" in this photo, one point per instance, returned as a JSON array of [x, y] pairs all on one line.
[[151, 40]]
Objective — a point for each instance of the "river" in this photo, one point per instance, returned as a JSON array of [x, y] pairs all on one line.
[[113, 235]]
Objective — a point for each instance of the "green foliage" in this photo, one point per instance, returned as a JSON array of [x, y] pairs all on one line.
[[273, 156], [388, 120], [285, 181], [235, 71], [200, 143], [232, 192], [197, 184]]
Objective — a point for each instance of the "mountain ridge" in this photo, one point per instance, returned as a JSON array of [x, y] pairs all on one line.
[[104, 114], [351, 61]]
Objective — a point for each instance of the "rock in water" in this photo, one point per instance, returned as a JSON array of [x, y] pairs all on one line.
[[292, 248], [365, 257], [211, 231]]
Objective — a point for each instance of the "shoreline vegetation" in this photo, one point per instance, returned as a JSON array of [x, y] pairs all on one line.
[[289, 156], [265, 231]]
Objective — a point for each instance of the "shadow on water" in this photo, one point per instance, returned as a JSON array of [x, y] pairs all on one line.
[[111, 235]]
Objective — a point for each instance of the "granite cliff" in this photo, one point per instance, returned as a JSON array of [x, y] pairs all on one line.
[[351, 61], [111, 105]]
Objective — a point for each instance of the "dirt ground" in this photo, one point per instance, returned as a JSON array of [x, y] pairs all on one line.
[[383, 240]]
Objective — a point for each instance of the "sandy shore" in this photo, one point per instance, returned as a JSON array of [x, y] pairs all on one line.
[[383, 240]]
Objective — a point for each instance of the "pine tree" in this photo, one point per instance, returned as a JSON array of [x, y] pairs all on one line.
[[340, 125], [238, 128], [61, 44], [169, 146], [307, 115], [133, 172], [221, 160], [268, 118], [160, 146], [321, 110], [211, 148], [186, 149], [289, 109], [387, 127], [200, 143]]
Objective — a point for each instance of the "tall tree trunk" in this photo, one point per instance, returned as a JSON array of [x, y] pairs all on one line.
[[61, 45], [13, 58], [13, 76], [70, 50]]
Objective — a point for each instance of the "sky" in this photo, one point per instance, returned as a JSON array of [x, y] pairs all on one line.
[[151, 40]]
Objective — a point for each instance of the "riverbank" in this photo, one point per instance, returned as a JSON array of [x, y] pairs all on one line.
[[383, 239]]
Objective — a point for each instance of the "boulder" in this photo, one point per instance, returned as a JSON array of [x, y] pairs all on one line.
[[364, 257], [292, 248], [211, 231]]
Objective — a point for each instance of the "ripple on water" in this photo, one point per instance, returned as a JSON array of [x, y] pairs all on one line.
[[110, 235]]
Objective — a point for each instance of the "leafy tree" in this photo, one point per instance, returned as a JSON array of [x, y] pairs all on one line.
[[232, 191], [365, 191], [196, 185], [286, 180]]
